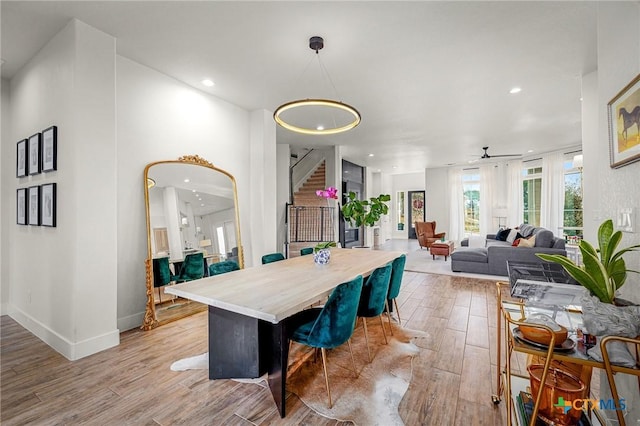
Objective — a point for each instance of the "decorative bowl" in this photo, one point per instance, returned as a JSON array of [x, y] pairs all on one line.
[[542, 336]]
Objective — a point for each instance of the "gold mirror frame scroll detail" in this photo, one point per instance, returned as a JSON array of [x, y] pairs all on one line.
[[150, 321]]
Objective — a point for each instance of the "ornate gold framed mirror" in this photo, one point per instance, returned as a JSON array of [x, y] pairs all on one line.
[[192, 222]]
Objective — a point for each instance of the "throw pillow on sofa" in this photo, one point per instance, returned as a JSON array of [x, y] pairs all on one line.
[[503, 234], [513, 235], [527, 242]]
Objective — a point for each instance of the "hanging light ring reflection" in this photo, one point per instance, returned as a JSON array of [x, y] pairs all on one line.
[[317, 102]]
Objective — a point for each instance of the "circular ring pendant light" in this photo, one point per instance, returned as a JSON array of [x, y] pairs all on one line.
[[316, 43]]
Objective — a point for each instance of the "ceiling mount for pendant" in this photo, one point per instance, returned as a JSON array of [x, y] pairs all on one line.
[[316, 43], [325, 116]]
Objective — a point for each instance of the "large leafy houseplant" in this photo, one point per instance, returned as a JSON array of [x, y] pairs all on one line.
[[365, 212], [604, 270]]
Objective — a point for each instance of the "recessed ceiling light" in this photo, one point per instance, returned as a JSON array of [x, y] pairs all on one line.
[[320, 127], [201, 205], [530, 150], [515, 90], [208, 83], [193, 190], [186, 180], [394, 167], [370, 155]]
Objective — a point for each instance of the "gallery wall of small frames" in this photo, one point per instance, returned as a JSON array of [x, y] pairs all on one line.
[[36, 204]]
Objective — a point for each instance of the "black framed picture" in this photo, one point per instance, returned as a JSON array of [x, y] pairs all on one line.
[[48, 204], [33, 204], [50, 149], [21, 206], [34, 154], [21, 158]]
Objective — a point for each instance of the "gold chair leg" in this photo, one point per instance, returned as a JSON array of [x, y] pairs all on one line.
[[386, 305], [366, 337], [353, 361], [395, 302], [326, 375], [384, 333], [159, 296]]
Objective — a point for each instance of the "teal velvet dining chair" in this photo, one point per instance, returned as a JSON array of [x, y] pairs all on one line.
[[192, 268], [305, 251], [397, 270], [223, 267], [330, 326], [161, 274], [373, 299], [272, 257]]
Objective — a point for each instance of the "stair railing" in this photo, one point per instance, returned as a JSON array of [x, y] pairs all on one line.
[[310, 224]]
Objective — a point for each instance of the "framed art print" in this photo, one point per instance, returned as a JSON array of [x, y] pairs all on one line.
[[21, 159], [48, 204], [33, 204], [21, 206], [50, 149], [624, 125], [34, 154]]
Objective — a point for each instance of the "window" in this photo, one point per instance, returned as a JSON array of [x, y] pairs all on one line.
[[221, 239], [573, 219], [400, 209], [531, 191], [471, 190]]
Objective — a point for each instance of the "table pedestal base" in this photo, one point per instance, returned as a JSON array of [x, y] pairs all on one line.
[[242, 347]]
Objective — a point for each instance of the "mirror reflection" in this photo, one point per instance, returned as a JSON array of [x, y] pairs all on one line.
[[192, 224]]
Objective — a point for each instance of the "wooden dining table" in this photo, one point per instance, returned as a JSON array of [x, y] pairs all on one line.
[[248, 336]]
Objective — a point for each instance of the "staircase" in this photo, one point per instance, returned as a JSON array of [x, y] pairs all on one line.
[[306, 195], [310, 216]]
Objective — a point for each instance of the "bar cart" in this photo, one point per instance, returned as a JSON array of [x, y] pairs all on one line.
[[511, 313]]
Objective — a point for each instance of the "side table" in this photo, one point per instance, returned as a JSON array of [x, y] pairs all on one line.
[[441, 248]]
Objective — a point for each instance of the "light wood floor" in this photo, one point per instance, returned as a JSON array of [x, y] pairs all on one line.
[[453, 376]]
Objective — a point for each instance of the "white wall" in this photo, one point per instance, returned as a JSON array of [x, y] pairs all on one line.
[[263, 179], [437, 198], [608, 190], [7, 187], [62, 279], [160, 118], [283, 160]]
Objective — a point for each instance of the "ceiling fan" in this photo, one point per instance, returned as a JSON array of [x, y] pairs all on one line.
[[486, 154]]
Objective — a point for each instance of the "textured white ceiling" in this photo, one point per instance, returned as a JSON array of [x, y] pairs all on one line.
[[431, 79]]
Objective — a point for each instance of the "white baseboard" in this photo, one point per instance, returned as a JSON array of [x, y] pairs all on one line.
[[130, 322], [71, 351]]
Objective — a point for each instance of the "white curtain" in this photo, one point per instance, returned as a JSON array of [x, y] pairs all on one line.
[[515, 213], [552, 197], [487, 183], [456, 207]]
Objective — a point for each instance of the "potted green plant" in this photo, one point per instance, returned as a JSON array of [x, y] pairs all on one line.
[[604, 270], [364, 212]]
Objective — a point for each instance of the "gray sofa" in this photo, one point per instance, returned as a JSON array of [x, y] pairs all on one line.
[[492, 259]]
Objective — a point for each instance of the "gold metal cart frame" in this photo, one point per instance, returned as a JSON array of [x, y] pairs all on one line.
[[513, 345]]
